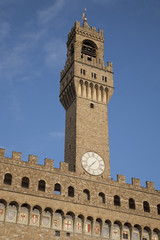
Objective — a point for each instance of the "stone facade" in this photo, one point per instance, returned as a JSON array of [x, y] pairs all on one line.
[[43, 202]]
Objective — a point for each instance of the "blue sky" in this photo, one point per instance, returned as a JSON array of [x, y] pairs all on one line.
[[33, 38]]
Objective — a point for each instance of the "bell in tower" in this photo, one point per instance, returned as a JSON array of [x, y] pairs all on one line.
[[85, 89]]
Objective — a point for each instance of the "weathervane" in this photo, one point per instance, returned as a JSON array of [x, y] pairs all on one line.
[[84, 15]]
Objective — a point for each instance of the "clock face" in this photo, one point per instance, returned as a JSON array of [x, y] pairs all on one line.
[[93, 163]]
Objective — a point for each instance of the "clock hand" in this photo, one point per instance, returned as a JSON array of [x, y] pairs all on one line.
[[92, 164]]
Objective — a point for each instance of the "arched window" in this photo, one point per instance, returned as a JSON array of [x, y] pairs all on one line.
[[117, 200], [145, 235], [41, 185], [89, 48], [86, 194], [26, 205], [102, 197], [116, 231], [72, 50], [57, 189], [146, 206], [126, 233], [132, 203], [25, 182], [70, 191], [136, 233], [158, 209], [7, 179]]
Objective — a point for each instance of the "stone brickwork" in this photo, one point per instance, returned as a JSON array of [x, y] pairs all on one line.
[[99, 207], [39, 202], [85, 80]]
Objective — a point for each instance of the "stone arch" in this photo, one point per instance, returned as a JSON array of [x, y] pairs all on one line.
[[12, 211], [72, 50], [137, 231], [102, 93], [57, 188], [86, 89], [146, 206], [37, 208], [102, 197], [146, 233], [25, 182], [79, 223], [155, 234], [158, 209], [14, 203], [86, 194], [106, 230], [3, 202], [91, 220], [97, 229], [127, 231], [106, 95], [60, 211], [132, 203], [26, 205], [91, 90], [48, 209], [69, 222], [116, 230], [117, 201], [7, 179], [71, 214], [70, 191], [81, 88], [58, 219], [89, 48], [42, 185], [97, 91]]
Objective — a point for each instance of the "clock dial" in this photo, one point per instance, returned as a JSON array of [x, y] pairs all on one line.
[[93, 163]]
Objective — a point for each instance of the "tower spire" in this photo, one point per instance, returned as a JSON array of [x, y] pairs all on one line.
[[85, 24], [84, 15]]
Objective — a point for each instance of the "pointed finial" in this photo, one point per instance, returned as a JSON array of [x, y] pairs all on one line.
[[84, 15]]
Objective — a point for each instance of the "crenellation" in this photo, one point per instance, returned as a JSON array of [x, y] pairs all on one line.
[[121, 179], [136, 182], [16, 157], [49, 163], [2, 152], [150, 186], [110, 66], [32, 159], [64, 167]]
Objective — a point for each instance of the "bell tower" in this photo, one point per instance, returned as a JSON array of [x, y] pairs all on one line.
[[86, 87]]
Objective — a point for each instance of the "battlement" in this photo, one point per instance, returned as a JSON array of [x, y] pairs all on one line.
[[64, 169], [85, 30], [32, 162], [136, 183]]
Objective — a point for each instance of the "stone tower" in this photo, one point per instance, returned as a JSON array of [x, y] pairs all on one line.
[[78, 201], [85, 89]]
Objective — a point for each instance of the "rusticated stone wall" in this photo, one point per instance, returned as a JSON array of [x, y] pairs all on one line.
[[75, 199]]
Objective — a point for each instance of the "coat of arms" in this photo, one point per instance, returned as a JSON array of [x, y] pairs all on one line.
[[96, 230], [23, 217], [34, 218], [45, 220], [78, 226], [88, 227], [11, 215], [68, 224], [1, 212]]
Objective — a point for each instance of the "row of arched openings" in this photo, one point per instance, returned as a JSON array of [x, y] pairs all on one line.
[[69, 222], [71, 193]]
